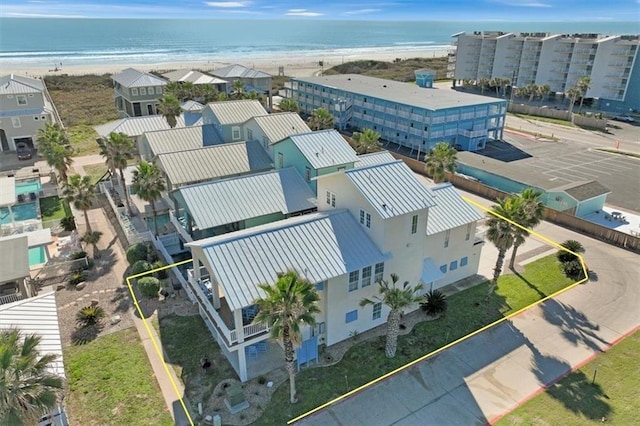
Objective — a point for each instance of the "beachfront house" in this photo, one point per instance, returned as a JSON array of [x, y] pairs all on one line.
[[198, 78], [227, 117], [249, 201], [372, 221], [254, 80], [136, 92], [314, 154], [413, 117], [24, 109], [271, 128]]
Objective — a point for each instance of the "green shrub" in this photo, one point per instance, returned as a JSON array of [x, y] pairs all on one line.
[[78, 255], [89, 315], [149, 286], [137, 252], [140, 267], [573, 269], [162, 274], [435, 303], [68, 223], [77, 277]]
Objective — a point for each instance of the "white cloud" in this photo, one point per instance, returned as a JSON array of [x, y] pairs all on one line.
[[302, 12], [361, 11], [227, 4], [42, 15]]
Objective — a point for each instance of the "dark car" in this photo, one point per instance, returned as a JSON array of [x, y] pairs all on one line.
[[24, 151]]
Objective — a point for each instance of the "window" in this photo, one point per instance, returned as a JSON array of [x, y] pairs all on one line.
[[447, 234], [353, 280], [158, 90], [443, 269], [322, 327], [331, 199], [351, 316], [414, 224], [307, 174], [320, 286], [463, 261], [377, 310], [468, 234], [265, 142], [22, 99], [280, 160], [366, 276], [134, 91], [453, 265], [235, 133], [36, 118], [365, 218], [341, 169], [143, 90], [249, 134], [379, 272], [16, 122]]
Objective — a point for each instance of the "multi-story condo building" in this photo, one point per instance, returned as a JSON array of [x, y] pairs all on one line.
[[137, 93], [411, 116], [557, 60]]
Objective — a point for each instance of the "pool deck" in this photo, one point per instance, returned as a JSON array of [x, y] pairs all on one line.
[[630, 224]]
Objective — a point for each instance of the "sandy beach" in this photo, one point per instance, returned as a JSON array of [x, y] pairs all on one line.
[[295, 66]]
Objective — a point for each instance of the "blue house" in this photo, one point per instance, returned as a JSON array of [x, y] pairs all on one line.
[[227, 117], [411, 116], [314, 154]]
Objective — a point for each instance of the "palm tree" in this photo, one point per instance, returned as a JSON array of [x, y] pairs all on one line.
[[54, 146], [574, 246], [532, 91], [501, 232], [27, 389], [321, 119], [530, 215], [118, 150], [148, 183], [289, 105], [483, 83], [573, 94], [92, 238], [289, 303], [397, 299], [169, 108], [584, 84], [367, 141], [238, 89], [543, 91], [206, 93], [80, 192], [441, 159]]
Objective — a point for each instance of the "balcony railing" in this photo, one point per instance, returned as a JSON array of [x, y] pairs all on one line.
[[180, 227], [10, 298]]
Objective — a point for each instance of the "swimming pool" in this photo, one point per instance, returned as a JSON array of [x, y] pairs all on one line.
[[24, 211], [37, 256], [27, 186]]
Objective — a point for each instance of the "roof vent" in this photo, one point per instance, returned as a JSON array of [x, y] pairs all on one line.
[[317, 154], [384, 206], [349, 78], [384, 85]]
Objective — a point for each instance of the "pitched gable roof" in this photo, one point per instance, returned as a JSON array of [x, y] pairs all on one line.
[[585, 190], [450, 211], [135, 126], [236, 112], [190, 76], [371, 159], [281, 125], [324, 148], [391, 189], [16, 85], [239, 71], [131, 77]]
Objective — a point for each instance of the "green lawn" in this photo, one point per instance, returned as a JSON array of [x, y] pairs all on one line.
[[545, 119], [110, 382], [575, 400], [83, 139], [95, 171], [468, 311], [53, 208]]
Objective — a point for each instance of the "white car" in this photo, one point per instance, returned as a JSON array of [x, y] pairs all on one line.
[[624, 117]]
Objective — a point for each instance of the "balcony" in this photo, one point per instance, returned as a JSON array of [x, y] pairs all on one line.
[[472, 133], [180, 225]]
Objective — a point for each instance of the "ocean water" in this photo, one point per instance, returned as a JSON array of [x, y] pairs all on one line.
[[48, 42]]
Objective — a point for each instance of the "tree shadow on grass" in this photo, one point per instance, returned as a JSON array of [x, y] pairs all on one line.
[[530, 284], [84, 335]]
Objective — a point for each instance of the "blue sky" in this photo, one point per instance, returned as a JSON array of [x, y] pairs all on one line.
[[443, 10]]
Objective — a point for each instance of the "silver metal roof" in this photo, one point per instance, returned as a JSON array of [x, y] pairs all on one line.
[[14, 261], [133, 78], [318, 246], [37, 315], [239, 71], [236, 112], [190, 76], [181, 139], [135, 126], [381, 157], [232, 200], [450, 211], [402, 93], [281, 125], [392, 189], [191, 106], [213, 162], [324, 148], [16, 85]]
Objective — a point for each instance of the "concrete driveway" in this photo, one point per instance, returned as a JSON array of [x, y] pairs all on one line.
[[491, 373]]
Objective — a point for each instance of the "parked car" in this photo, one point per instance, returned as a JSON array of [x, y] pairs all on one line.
[[624, 117], [24, 151]]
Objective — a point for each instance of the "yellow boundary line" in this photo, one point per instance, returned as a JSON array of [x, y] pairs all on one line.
[[155, 343], [463, 338]]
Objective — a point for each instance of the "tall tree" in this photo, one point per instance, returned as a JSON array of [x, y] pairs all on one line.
[[169, 108], [27, 389], [573, 94], [483, 83], [80, 192], [530, 215], [118, 150], [54, 146], [441, 159], [532, 91], [583, 85], [543, 91], [367, 141], [397, 299], [321, 119], [149, 184], [238, 89], [92, 239], [289, 105], [288, 304], [501, 232]]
